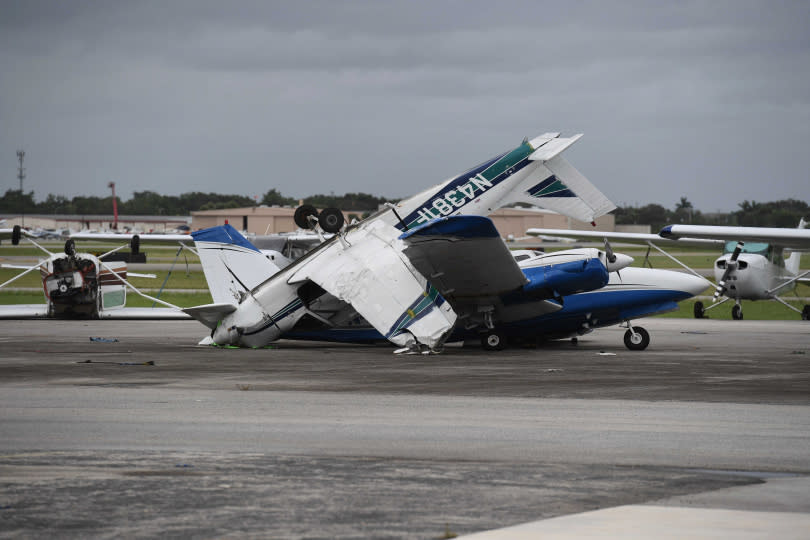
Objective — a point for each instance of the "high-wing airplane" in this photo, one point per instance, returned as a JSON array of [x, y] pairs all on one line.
[[233, 267], [408, 269], [80, 285], [752, 267]]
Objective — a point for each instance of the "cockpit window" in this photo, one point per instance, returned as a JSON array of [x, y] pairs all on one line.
[[521, 258], [757, 248]]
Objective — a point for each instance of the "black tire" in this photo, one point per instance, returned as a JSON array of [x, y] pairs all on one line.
[[639, 342], [493, 341], [806, 313], [70, 248], [135, 244], [736, 312], [331, 220], [16, 233], [700, 312], [302, 213]]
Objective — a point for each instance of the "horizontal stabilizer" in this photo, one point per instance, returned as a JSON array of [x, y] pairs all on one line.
[[210, 314], [551, 148]]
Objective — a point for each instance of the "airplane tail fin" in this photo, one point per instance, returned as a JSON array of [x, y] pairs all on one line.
[[232, 265], [792, 263], [556, 185]]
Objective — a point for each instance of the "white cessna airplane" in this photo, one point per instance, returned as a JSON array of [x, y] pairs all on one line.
[[752, 267], [80, 285], [413, 270]]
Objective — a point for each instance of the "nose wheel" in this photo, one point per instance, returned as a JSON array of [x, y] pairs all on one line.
[[493, 340], [636, 338], [736, 312]]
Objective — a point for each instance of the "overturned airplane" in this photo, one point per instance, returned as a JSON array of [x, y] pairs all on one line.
[[413, 270]]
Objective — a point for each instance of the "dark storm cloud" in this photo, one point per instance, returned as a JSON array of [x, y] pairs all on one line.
[[707, 100]]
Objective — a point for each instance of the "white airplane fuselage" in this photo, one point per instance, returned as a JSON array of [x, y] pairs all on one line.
[[753, 277]]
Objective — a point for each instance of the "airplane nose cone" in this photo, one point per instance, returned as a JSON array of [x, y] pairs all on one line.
[[622, 261], [693, 285]]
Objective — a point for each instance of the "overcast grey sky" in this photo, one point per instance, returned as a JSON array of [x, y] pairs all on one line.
[[708, 100]]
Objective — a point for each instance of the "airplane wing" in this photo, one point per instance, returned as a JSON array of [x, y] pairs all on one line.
[[143, 313], [40, 311], [24, 311], [144, 238], [630, 238], [465, 258], [797, 239]]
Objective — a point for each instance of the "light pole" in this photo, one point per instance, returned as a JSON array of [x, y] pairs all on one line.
[[21, 176]]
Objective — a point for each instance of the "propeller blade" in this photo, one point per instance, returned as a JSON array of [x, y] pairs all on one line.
[[737, 251], [611, 257], [731, 265]]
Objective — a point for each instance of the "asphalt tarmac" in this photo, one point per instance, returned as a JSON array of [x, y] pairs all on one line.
[[152, 435]]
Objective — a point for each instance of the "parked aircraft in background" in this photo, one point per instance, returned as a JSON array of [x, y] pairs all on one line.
[[379, 266], [80, 285], [753, 265]]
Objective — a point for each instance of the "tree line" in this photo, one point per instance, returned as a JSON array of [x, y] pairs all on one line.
[[784, 213], [149, 203]]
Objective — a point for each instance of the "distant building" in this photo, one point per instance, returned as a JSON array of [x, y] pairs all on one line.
[[102, 222], [253, 219], [268, 220], [515, 221]]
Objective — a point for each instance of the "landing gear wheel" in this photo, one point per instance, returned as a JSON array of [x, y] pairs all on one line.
[[736, 312], [16, 233], [637, 341], [493, 341], [302, 213], [806, 313], [700, 313], [70, 248], [331, 220], [135, 244]]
